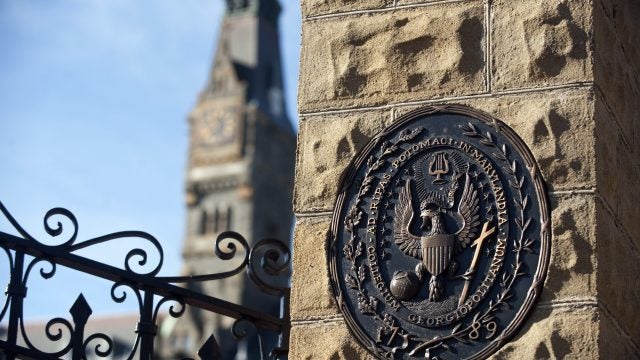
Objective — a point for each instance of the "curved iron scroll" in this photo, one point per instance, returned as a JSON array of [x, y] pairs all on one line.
[[266, 259]]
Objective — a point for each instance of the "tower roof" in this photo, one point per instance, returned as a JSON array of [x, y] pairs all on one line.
[[248, 58], [267, 9]]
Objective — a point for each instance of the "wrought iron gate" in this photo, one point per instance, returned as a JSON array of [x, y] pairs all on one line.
[[25, 253]]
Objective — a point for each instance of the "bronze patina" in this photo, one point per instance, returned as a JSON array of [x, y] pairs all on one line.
[[440, 236]]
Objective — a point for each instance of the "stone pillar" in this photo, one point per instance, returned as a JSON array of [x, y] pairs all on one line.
[[564, 74]]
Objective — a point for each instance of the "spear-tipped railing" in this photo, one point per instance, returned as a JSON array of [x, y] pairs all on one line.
[[24, 253]]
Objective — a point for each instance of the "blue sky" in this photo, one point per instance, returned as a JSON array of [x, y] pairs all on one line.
[[93, 102]]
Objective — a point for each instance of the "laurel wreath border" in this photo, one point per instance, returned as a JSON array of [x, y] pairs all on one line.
[[370, 304]]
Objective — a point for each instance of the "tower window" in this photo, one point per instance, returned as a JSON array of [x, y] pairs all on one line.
[[216, 221], [225, 219], [202, 227], [213, 222]]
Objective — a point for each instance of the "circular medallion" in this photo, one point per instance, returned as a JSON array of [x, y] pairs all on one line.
[[439, 243]]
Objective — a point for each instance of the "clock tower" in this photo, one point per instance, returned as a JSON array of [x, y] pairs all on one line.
[[240, 168]]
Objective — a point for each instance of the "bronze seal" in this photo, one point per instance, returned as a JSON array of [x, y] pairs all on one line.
[[440, 237]]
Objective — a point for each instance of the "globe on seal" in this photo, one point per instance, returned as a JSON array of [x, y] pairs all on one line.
[[404, 285]]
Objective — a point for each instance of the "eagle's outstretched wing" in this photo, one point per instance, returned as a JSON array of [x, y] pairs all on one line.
[[406, 241], [468, 209]]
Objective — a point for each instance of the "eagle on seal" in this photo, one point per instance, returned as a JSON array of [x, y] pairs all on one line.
[[435, 246]]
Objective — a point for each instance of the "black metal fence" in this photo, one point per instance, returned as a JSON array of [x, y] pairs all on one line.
[[264, 259]]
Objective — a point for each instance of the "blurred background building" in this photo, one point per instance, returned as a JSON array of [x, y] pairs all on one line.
[[240, 170]]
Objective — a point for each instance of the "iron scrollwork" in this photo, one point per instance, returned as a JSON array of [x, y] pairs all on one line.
[[267, 258]]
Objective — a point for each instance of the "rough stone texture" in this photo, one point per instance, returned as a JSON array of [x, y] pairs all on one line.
[[618, 172], [564, 74], [321, 7], [619, 268], [326, 145], [311, 295], [617, 75], [622, 16], [627, 195], [540, 43], [617, 64], [392, 56], [557, 126], [608, 138], [573, 259], [426, 2], [612, 344], [563, 333], [325, 341]]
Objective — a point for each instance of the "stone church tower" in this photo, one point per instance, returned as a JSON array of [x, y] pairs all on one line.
[[240, 167]]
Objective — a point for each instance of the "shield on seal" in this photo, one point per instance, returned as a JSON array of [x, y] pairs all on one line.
[[437, 251]]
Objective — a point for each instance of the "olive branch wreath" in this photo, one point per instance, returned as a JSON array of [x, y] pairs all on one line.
[[354, 249]]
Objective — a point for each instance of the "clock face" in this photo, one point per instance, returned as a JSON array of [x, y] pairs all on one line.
[[216, 127], [216, 131]]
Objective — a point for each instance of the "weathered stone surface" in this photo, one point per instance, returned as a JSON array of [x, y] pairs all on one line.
[[628, 196], [326, 145], [324, 341], [557, 126], [563, 333], [612, 344], [540, 43], [619, 266], [581, 141], [616, 73], [392, 56], [311, 295], [425, 2], [636, 144], [618, 171], [607, 136], [572, 267], [322, 7], [622, 17]]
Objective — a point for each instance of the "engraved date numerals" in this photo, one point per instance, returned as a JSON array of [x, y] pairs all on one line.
[[490, 329]]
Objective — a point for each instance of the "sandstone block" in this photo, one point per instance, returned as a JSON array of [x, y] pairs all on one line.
[[557, 126], [540, 43], [326, 146], [311, 295], [424, 2], [563, 333], [628, 197], [618, 268], [322, 7], [607, 136], [392, 56], [612, 344], [573, 263], [636, 144], [617, 76], [324, 341], [622, 17]]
